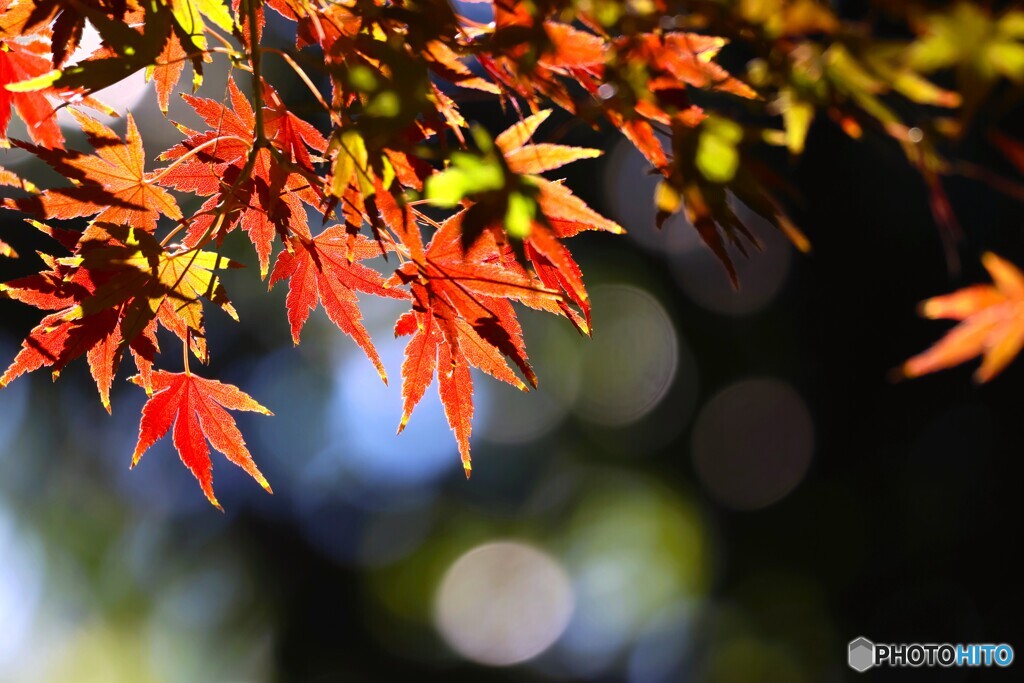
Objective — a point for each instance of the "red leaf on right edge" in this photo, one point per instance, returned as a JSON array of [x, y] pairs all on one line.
[[991, 324], [195, 408]]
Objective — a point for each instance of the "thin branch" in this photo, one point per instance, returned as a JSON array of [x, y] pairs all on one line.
[[335, 118], [221, 39], [255, 54]]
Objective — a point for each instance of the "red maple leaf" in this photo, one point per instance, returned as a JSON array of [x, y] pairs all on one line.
[[108, 297], [268, 201], [57, 339], [111, 184], [563, 214], [326, 269], [195, 407], [288, 132], [462, 316], [22, 59]]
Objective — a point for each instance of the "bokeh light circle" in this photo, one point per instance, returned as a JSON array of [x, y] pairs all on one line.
[[632, 359], [519, 417], [761, 275], [629, 188], [752, 443], [503, 603], [632, 548]]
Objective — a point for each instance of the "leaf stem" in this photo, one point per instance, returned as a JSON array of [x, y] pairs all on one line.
[[221, 39], [185, 345], [259, 134], [178, 228], [192, 152]]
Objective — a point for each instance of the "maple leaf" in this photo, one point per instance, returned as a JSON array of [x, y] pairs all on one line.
[[447, 64], [210, 163], [571, 48], [11, 179], [111, 185], [108, 297], [134, 272], [991, 324], [56, 341], [232, 127], [566, 213], [526, 158], [22, 60], [686, 57], [712, 167], [166, 72], [288, 132], [326, 269], [563, 214], [461, 317], [194, 406]]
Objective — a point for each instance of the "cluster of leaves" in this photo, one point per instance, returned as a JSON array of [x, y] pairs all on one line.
[[398, 143]]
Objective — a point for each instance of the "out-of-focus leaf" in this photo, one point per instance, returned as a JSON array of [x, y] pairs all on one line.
[[717, 156], [980, 47], [468, 174], [991, 324], [797, 115]]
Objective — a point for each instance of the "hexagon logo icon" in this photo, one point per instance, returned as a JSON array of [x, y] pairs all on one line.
[[861, 654]]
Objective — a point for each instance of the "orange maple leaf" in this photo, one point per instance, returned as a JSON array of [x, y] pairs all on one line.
[[111, 184], [563, 213], [326, 269], [209, 163], [991, 324], [166, 73], [462, 316], [195, 407], [108, 297]]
